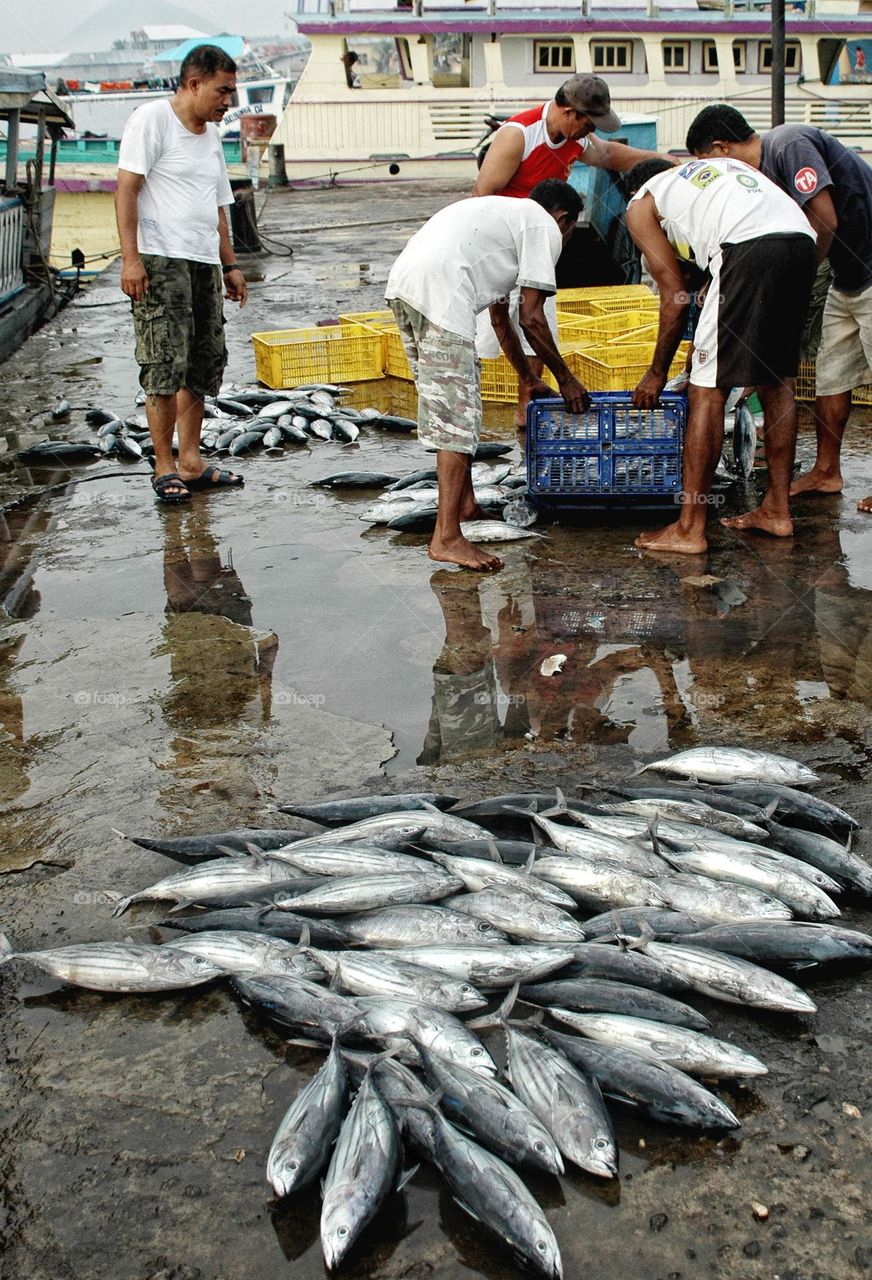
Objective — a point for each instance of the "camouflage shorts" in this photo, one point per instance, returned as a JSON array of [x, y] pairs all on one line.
[[179, 327], [447, 375]]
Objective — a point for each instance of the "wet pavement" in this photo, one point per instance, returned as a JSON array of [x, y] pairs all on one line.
[[168, 670]]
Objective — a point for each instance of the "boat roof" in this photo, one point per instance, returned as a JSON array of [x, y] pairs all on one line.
[[234, 46], [27, 91], [538, 22]]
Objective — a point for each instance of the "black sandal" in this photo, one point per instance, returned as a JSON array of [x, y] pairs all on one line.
[[207, 479], [163, 486]]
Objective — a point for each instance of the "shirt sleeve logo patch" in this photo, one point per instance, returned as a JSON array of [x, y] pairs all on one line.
[[705, 177], [806, 180]]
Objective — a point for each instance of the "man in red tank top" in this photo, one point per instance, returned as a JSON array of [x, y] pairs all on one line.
[[544, 142]]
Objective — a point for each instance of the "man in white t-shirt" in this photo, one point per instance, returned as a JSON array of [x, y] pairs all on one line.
[[170, 204], [759, 251], [466, 259]]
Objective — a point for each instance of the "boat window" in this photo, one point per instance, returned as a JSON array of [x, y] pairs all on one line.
[[709, 56], [263, 93], [829, 53], [740, 48], [612, 55], [792, 61], [676, 55], [449, 61], [375, 62], [553, 55]]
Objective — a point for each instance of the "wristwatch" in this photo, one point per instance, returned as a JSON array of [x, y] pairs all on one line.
[[230, 266]]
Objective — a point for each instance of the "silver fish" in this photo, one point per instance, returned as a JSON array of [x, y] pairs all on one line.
[[413, 925], [309, 1127], [494, 1114], [494, 530], [252, 954], [598, 846], [346, 430], [662, 1092], [567, 1102], [600, 995], [400, 1024], [490, 967], [321, 428], [728, 978], [397, 1085], [372, 975], [744, 440], [219, 877], [295, 1002], [362, 1171], [734, 764], [693, 811], [763, 873], [405, 826], [785, 942], [349, 860], [479, 873], [362, 893], [117, 966], [720, 900], [519, 914], [681, 1047], [600, 884]]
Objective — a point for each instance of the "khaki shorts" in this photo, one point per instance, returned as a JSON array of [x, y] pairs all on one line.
[[447, 374], [844, 360], [179, 327]]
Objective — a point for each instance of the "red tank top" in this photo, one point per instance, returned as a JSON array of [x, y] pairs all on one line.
[[542, 158]]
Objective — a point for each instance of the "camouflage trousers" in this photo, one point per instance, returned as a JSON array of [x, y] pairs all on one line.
[[179, 327], [447, 375]]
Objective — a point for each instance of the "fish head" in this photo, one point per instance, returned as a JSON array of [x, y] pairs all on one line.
[[468, 998], [286, 1179], [540, 1250], [171, 962], [341, 1214], [602, 1158]]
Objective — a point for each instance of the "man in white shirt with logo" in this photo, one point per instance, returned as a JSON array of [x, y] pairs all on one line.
[[170, 205], [759, 250], [466, 259]]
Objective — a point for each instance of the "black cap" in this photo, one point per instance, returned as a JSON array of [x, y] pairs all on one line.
[[590, 95]]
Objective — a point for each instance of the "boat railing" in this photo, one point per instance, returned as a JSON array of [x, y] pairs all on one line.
[[583, 8], [11, 246]]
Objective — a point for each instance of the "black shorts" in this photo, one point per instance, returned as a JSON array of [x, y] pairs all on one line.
[[750, 329]]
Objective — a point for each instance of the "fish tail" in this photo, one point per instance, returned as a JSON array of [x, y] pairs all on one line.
[[7, 951], [120, 903]]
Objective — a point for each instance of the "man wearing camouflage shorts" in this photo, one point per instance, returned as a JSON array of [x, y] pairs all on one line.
[[175, 247], [466, 259]]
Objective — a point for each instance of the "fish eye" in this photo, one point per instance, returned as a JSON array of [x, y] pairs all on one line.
[[483, 926], [476, 1053], [541, 1246], [538, 1145], [343, 1231], [292, 1164], [465, 987], [601, 1144]]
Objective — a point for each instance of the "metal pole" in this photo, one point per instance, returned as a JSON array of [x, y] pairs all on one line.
[[777, 32], [40, 148], [12, 148]]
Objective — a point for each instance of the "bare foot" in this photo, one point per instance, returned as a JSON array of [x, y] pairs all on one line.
[[459, 551], [673, 538], [865, 505], [816, 481], [760, 521], [472, 512]]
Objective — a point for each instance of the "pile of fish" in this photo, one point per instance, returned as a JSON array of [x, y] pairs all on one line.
[[379, 935], [244, 419]]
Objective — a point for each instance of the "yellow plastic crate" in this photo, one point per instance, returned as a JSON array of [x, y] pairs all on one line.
[[600, 300], [335, 353], [645, 333], [499, 382], [805, 386], [604, 328], [396, 362], [619, 368]]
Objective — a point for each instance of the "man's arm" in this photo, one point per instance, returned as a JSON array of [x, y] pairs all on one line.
[[501, 163], [821, 213], [511, 345], [234, 281], [541, 339], [134, 280], [616, 155], [663, 264]]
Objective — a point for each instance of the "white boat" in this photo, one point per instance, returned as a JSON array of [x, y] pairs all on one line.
[[427, 72], [104, 113]]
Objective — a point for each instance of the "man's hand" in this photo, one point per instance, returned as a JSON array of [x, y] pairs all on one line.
[[237, 289], [134, 279], [575, 395], [647, 393]]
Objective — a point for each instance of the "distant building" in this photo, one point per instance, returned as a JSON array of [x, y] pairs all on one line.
[[156, 39]]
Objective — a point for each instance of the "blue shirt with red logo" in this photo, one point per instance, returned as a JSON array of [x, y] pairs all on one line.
[[805, 161]]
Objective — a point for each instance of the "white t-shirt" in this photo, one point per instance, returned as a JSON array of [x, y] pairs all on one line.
[[708, 203], [473, 253], [185, 183]]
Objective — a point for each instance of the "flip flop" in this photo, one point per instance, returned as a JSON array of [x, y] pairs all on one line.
[[172, 480], [208, 480]]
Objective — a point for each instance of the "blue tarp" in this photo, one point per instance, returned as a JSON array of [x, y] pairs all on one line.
[[233, 45]]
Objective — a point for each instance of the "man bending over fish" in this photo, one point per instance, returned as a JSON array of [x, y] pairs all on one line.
[[759, 250], [466, 259]]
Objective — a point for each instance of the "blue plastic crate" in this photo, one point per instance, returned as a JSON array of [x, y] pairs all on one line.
[[613, 451]]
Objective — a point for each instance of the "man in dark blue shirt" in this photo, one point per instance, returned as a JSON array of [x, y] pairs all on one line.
[[833, 186]]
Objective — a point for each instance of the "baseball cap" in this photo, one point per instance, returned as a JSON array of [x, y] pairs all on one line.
[[590, 95]]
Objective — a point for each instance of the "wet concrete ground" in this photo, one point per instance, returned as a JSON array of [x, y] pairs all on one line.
[[187, 670]]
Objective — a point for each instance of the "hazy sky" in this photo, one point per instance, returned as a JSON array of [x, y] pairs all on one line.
[[45, 24]]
